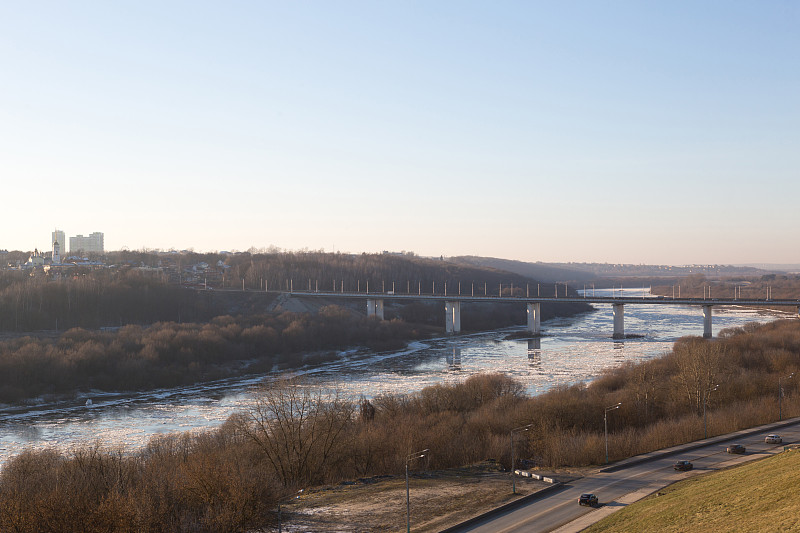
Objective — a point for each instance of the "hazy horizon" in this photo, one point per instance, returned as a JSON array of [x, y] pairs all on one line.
[[274, 249], [579, 132]]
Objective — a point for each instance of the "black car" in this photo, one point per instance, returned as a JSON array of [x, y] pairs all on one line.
[[683, 466], [588, 499]]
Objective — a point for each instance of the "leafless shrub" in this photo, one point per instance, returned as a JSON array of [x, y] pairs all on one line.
[[300, 429]]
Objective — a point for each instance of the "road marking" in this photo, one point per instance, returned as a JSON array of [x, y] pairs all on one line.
[[533, 518]]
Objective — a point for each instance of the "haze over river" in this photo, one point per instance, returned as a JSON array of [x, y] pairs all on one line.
[[573, 350]]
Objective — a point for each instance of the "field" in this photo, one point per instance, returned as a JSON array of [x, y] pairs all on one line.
[[439, 499], [758, 496]]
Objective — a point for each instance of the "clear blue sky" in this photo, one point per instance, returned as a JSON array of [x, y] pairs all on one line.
[[637, 132]]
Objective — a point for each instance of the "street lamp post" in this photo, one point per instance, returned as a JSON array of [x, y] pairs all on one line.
[[705, 403], [409, 458], [513, 478], [780, 396], [605, 424]]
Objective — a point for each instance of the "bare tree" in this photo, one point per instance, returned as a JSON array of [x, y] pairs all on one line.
[[699, 369], [301, 428]]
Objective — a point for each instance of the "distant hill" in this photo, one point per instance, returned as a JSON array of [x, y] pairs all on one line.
[[775, 267], [547, 272], [585, 272]]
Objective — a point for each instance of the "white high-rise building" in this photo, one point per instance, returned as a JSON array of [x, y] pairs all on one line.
[[92, 243]]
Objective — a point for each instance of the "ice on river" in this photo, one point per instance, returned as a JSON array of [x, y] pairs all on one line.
[[573, 350]]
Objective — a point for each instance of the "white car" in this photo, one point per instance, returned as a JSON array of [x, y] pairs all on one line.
[[773, 439]]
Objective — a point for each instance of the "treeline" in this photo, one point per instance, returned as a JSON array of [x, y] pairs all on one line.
[[95, 299], [383, 272], [778, 286], [169, 354], [281, 270], [297, 435], [401, 273]]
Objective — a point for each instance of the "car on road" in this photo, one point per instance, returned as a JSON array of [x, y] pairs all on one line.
[[683, 466], [588, 499], [735, 448], [773, 439]]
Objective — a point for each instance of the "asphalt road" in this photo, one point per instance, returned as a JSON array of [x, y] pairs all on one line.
[[634, 479]]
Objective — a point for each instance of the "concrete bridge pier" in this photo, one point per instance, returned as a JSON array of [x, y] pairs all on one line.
[[452, 317], [619, 321], [375, 308], [535, 318], [706, 321]]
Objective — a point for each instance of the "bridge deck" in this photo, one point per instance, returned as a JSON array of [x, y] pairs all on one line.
[[657, 300]]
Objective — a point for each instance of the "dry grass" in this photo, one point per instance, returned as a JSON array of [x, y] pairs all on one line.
[[439, 499], [758, 496]]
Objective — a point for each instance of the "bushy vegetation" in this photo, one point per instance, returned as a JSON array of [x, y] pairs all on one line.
[[662, 404], [206, 482], [169, 354], [297, 435]]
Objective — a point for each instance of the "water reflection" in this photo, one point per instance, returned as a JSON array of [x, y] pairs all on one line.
[[535, 354], [454, 359], [534, 345]]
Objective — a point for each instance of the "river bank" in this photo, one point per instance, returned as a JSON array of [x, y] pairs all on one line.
[[456, 424], [573, 350], [297, 334]]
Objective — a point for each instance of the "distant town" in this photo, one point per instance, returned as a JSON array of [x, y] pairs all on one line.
[[80, 250], [88, 252], [205, 270]]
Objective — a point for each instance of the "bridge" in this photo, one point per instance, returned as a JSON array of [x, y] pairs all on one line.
[[452, 305]]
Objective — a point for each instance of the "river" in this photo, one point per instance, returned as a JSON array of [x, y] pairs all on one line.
[[572, 350]]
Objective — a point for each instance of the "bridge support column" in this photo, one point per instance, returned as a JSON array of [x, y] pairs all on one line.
[[452, 317], [619, 321], [706, 321], [535, 318], [375, 308]]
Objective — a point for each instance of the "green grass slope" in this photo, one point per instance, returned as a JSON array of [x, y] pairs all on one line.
[[758, 496]]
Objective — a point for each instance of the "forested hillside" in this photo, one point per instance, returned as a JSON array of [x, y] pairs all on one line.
[[545, 272], [380, 271], [96, 299], [146, 287]]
